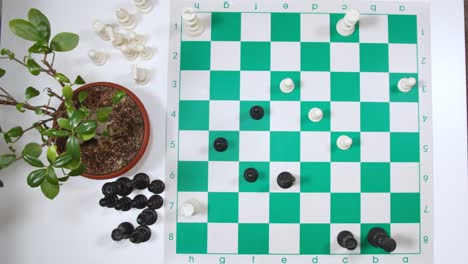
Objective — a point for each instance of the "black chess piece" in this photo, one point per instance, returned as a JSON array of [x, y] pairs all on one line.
[[251, 175], [108, 201], [122, 187], [220, 144], [155, 202], [140, 201], [126, 186], [257, 112], [123, 231], [285, 180], [123, 204], [140, 235], [157, 187], [147, 217], [141, 181], [347, 240], [378, 237]]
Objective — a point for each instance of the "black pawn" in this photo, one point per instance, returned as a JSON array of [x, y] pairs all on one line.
[[108, 201], [147, 217], [140, 235], [123, 204], [347, 240], [378, 237], [110, 188], [141, 181], [123, 231], [157, 187], [140, 201], [251, 175], [220, 144], [257, 112], [285, 180], [155, 202]]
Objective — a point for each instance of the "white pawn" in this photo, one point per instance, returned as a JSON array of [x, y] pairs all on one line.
[[315, 114], [141, 76], [344, 142], [117, 39], [135, 39], [192, 24], [98, 58], [143, 6], [100, 29], [287, 85], [126, 19], [145, 53], [190, 208], [406, 84], [345, 26], [129, 53]]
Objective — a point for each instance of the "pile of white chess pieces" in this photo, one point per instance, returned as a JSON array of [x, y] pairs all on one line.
[[131, 45]]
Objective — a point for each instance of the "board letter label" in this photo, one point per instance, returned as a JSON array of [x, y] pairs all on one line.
[[405, 260], [373, 8], [196, 5], [315, 7], [253, 259], [402, 8], [284, 260], [226, 4], [222, 260], [191, 259], [345, 260], [375, 259], [285, 6], [315, 260]]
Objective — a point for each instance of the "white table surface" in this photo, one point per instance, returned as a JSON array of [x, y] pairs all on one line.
[[73, 228]]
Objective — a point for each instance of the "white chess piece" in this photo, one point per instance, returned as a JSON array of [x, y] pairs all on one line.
[[406, 84], [117, 39], [191, 22], [143, 6], [98, 58], [141, 76], [287, 85], [315, 114], [129, 53], [126, 19], [100, 29], [345, 26], [145, 53], [135, 39], [344, 142], [190, 208]]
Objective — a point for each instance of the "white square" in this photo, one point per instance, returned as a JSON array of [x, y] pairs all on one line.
[[315, 146], [195, 85], [225, 55], [256, 27], [222, 238], [193, 145], [284, 238], [285, 116], [375, 87], [344, 57], [336, 229], [315, 28], [205, 19], [405, 177], [255, 86], [223, 176], [403, 58], [254, 207], [404, 117], [375, 207], [278, 167], [345, 177], [407, 237], [315, 86], [254, 146], [224, 115], [200, 216], [375, 147], [315, 208], [345, 116], [285, 56], [373, 29]]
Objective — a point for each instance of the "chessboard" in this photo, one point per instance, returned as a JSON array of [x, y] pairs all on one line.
[[291, 142]]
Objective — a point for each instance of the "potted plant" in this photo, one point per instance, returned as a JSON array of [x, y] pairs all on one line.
[[99, 130]]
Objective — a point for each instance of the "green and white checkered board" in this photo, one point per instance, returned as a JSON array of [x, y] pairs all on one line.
[[383, 180]]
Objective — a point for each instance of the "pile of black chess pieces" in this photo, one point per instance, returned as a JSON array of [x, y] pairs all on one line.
[[123, 187]]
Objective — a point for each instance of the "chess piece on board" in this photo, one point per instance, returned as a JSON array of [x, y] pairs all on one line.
[[287, 85], [406, 84], [344, 142], [346, 26], [251, 175], [257, 112], [346, 240], [190, 207], [285, 180], [191, 22], [315, 114], [220, 144], [378, 237]]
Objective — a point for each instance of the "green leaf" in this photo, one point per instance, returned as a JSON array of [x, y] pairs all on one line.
[[35, 162], [33, 67], [73, 147], [63, 160], [4, 52], [67, 92], [77, 117], [64, 123], [32, 149], [15, 132], [25, 30], [51, 175], [2, 72], [62, 78], [36, 178], [31, 92], [50, 190], [79, 80], [38, 19], [64, 179], [82, 96], [6, 160], [86, 137], [58, 133], [74, 164], [52, 154], [103, 114], [20, 108], [64, 41], [76, 172], [118, 96], [87, 127], [39, 48], [7, 138], [39, 112]]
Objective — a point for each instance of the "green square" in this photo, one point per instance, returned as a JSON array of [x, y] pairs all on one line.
[[315, 56], [374, 57], [254, 239], [193, 176], [225, 26], [353, 154], [192, 238], [375, 117], [262, 184], [225, 85], [248, 123], [255, 56], [402, 29], [345, 86], [195, 55], [231, 153], [404, 147], [315, 239], [285, 207], [285, 27], [285, 146], [335, 37], [406, 207], [367, 248], [375, 177], [315, 177], [307, 125], [275, 91], [398, 96], [345, 208], [194, 115], [223, 207]]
